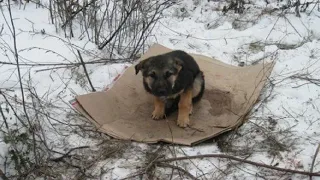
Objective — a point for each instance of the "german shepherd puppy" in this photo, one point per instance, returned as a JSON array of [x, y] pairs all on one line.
[[176, 82]]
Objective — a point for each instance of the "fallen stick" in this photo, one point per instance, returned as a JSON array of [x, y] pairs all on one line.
[[240, 160]]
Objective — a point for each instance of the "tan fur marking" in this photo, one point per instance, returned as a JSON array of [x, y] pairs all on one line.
[[185, 104], [149, 81], [159, 109], [175, 95], [178, 66], [196, 86], [172, 79]]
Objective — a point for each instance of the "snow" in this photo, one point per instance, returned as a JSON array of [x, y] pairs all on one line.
[[203, 29]]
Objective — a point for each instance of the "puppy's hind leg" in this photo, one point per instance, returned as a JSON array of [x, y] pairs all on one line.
[[197, 89]]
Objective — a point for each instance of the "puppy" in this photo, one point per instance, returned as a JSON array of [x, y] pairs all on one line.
[[176, 82]]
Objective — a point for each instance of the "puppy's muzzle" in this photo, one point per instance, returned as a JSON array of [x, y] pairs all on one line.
[[161, 92]]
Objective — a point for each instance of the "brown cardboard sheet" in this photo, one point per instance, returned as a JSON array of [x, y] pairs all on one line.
[[124, 111]]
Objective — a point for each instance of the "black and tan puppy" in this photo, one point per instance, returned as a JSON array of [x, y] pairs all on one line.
[[176, 82]]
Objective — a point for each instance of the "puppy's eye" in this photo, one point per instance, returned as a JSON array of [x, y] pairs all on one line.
[[168, 74], [152, 74]]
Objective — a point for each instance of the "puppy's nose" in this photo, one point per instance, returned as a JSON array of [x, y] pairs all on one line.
[[162, 91]]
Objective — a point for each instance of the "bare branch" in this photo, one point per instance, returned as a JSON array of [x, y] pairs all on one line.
[[74, 14], [85, 71], [3, 176], [240, 160], [119, 27], [17, 61]]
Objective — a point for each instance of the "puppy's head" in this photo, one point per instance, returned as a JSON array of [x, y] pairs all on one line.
[[160, 73]]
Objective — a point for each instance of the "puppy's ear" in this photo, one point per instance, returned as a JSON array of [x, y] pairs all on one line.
[[178, 63], [138, 67], [141, 65]]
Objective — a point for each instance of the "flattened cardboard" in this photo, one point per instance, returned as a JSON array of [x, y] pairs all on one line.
[[124, 111]]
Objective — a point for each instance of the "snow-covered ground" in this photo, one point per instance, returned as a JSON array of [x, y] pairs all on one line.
[[284, 130]]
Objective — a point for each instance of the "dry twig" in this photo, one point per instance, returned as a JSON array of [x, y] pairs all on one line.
[[177, 168], [3, 176], [67, 154], [314, 159]]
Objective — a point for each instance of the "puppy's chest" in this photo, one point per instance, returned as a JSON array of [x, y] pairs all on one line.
[[173, 96]]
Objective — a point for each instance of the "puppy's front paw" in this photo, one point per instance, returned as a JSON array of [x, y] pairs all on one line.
[[191, 110], [158, 114], [183, 121]]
